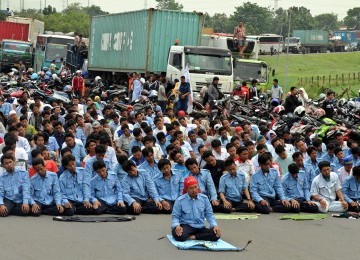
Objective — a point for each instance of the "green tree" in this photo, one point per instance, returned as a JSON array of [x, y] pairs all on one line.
[[74, 7], [256, 19], [327, 22], [301, 19], [30, 13], [2, 17], [352, 19], [49, 10], [280, 22], [169, 5], [94, 10], [220, 23]]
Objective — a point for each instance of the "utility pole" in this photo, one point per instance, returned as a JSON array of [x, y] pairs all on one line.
[[287, 51]]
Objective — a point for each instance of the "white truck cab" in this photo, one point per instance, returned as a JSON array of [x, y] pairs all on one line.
[[204, 64]]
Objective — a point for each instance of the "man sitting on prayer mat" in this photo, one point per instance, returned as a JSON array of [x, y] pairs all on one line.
[[189, 214]]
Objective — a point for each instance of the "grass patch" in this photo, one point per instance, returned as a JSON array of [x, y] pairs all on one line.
[[312, 68]]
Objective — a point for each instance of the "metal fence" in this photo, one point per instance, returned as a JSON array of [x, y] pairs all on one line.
[[330, 80]]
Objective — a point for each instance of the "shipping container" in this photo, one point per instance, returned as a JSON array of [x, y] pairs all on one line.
[[14, 31], [346, 36], [140, 40], [358, 35], [36, 27], [312, 37]]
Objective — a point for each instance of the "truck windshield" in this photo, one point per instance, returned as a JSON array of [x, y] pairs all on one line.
[[55, 52], [209, 64], [16, 47], [246, 71], [291, 40]]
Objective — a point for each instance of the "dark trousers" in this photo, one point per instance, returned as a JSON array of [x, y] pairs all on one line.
[[147, 207], [182, 104], [162, 104], [53, 211], [78, 208], [206, 234], [275, 205], [164, 211], [14, 208], [237, 206], [106, 209], [304, 207], [354, 209]]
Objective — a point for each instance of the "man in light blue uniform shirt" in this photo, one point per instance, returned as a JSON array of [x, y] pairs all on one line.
[[45, 191], [149, 165], [139, 191], [310, 173], [75, 187], [297, 190], [167, 184], [100, 151], [351, 190], [14, 189], [77, 149], [106, 191], [195, 142], [118, 169], [265, 185], [205, 181], [232, 187], [189, 214]]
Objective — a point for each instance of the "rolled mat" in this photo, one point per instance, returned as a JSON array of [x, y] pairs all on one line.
[[304, 217], [93, 219], [236, 216]]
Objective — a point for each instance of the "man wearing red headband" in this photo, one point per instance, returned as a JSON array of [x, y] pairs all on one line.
[[189, 214]]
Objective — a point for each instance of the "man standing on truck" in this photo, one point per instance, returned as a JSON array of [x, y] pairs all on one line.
[[184, 92], [240, 35]]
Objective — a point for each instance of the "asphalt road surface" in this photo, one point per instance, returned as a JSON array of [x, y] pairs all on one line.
[[43, 238]]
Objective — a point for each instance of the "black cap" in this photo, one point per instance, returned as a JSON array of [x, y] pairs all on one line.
[[215, 78]]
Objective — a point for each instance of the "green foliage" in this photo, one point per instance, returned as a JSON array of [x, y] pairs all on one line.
[[257, 19], [219, 22], [30, 13], [94, 10], [327, 22], [69, 22], [2, 17], [169, 5], [352, 19], [49, 10]]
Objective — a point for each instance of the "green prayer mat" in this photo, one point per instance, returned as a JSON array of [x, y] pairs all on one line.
[[304, 216], [236, 216]]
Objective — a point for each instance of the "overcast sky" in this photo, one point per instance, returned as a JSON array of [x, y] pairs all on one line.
[[210, 6]]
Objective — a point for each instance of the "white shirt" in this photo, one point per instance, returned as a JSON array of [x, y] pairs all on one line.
[[77, 141], [223, 156], [156, 131], [21, 154], [24, 143], [326, 189], [111, 155], [255, 162], [342, 174], [247, 168]]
